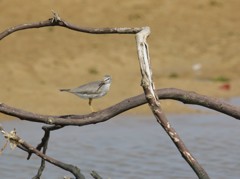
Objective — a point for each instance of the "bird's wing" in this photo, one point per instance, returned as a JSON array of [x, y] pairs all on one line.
[[88, 88]]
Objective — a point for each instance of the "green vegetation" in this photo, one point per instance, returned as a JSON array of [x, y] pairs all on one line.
[[93, 71], [173, 75], [221, 79]]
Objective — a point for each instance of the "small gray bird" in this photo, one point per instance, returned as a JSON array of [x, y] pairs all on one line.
[[92, 90]]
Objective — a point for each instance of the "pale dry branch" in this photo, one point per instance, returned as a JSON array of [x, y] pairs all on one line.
[[154, 104]]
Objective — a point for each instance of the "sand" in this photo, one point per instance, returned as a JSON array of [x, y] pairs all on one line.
[[36, 63]]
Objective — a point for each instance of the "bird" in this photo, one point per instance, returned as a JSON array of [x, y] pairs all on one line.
[[92, 90]]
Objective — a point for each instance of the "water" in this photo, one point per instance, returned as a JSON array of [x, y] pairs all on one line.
[[131, 147]]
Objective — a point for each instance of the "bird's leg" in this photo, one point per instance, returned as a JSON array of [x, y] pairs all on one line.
[[90, 104]]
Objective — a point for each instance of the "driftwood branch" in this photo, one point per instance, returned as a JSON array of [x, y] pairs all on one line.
[[19, 142], [186, 97], [95, 175], [154, 104], [57, 21], [43, 145], [45, 139]]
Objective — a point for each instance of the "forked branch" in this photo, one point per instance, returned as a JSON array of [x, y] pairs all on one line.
[[19, 142]]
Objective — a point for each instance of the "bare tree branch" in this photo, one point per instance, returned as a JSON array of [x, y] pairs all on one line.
[[95, 175], [45, 139], [154, 104], [44, 145], [186, 97], [189, 97], [16, 140], [57, 21]]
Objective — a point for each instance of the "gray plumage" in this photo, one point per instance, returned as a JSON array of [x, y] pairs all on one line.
[[92, 90]]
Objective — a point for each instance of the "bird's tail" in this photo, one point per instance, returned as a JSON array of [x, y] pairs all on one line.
[[64, 90]]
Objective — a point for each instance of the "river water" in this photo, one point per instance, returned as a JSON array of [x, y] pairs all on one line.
[[131, 147]]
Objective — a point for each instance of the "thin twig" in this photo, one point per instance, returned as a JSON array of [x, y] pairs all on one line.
[[95, 175], [44, 145], [45, 139], [57, 21]]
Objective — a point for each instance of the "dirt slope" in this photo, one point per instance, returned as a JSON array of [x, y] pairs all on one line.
[[35, 63]]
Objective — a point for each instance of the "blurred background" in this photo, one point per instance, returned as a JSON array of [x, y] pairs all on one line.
[[194, 45]]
